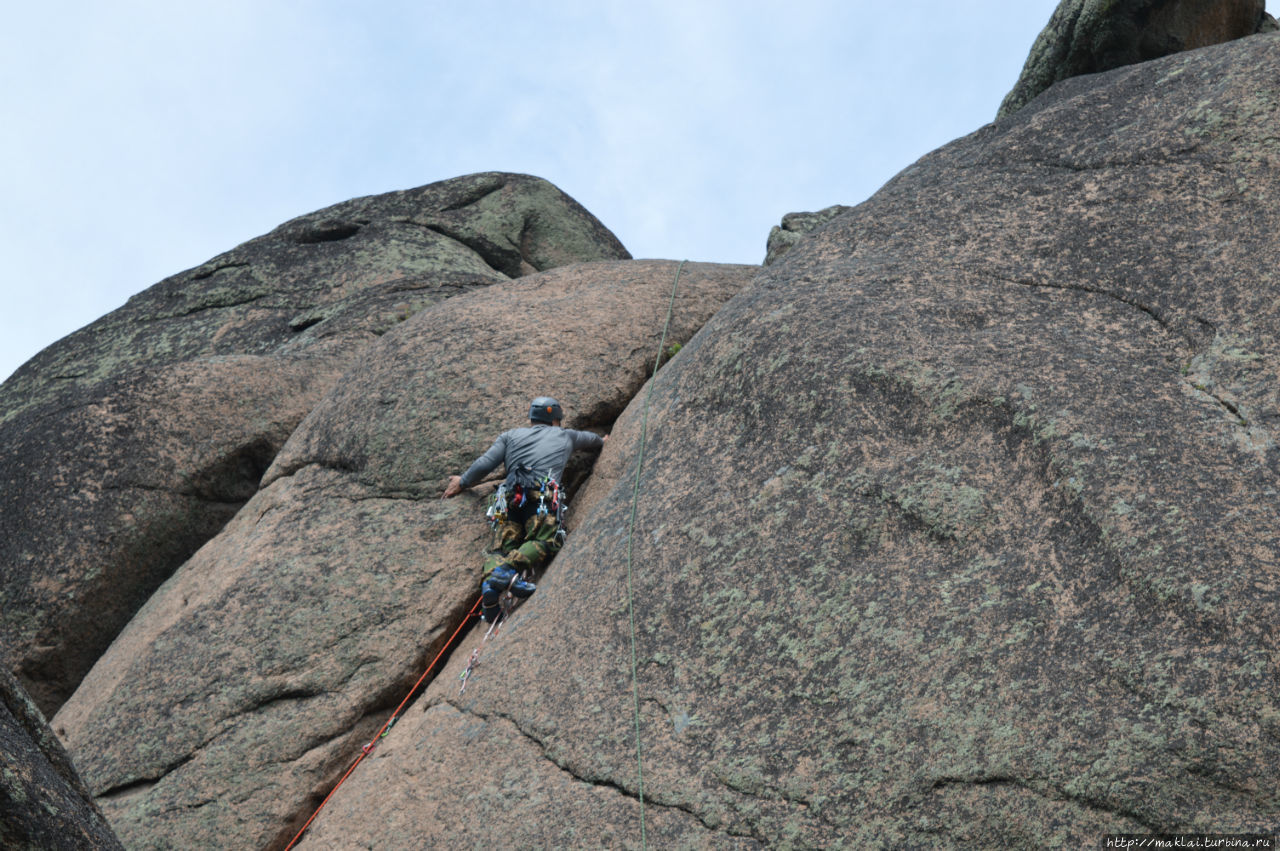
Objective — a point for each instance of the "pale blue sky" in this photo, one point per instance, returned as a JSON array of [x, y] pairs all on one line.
[[140, 138]]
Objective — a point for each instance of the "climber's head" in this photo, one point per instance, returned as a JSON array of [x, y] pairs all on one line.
[[544, 409]]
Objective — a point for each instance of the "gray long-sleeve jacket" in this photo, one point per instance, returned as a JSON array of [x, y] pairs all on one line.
[[531, 453]]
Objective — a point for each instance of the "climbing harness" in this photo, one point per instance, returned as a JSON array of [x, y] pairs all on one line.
[[511, 495], [390, 722], [631, 528]]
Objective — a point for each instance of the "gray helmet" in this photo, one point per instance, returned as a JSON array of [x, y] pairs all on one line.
[[544, 409]]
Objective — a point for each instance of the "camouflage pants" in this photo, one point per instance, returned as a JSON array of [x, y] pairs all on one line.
[[523, 544], [518, 549]]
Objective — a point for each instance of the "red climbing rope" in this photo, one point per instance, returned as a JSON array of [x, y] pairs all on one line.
[[368, 749]]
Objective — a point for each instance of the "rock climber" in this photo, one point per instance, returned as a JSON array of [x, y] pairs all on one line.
[[527, 509]]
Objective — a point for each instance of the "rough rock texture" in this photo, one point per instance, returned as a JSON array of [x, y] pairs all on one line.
[[959, 528], [795, 225], [1088, 36], [44, 805], [131, 442], [260, 668]]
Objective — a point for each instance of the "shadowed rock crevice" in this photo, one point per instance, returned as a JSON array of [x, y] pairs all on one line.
[[503, 262], [1096, 290], [125, 790], [326, 230], [234, 477], [210, 269], [481, 188], [1035, 787]]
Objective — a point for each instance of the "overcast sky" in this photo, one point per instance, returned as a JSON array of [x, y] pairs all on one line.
[[141, 138]]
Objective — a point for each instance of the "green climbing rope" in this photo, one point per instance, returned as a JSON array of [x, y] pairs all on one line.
[[631, 528]]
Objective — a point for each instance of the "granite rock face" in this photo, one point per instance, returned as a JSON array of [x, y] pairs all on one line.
[[44, 805], [280, 647], [959, 528], [1089, 36], [956, 526], [165, 413]]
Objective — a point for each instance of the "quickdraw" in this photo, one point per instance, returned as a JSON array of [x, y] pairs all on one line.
[[497, 512], [471, 666], [391, 722]]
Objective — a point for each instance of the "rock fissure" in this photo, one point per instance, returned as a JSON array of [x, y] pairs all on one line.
[[187, 807], [150, 779], [469, 199], [1174, 158], [225, 725], [1053, 796], [1123, 299], [204, 272], [480, 249], [523, 242], [287, 695], [1230, 407], [232, 300], [171, 491], [1214, 778], [979, 780], [129, 789], [288, 471], [616, 786]]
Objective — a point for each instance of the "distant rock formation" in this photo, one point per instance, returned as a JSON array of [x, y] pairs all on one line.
[[44, 805], [1089, 36], [794, 226], [130, 443]]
